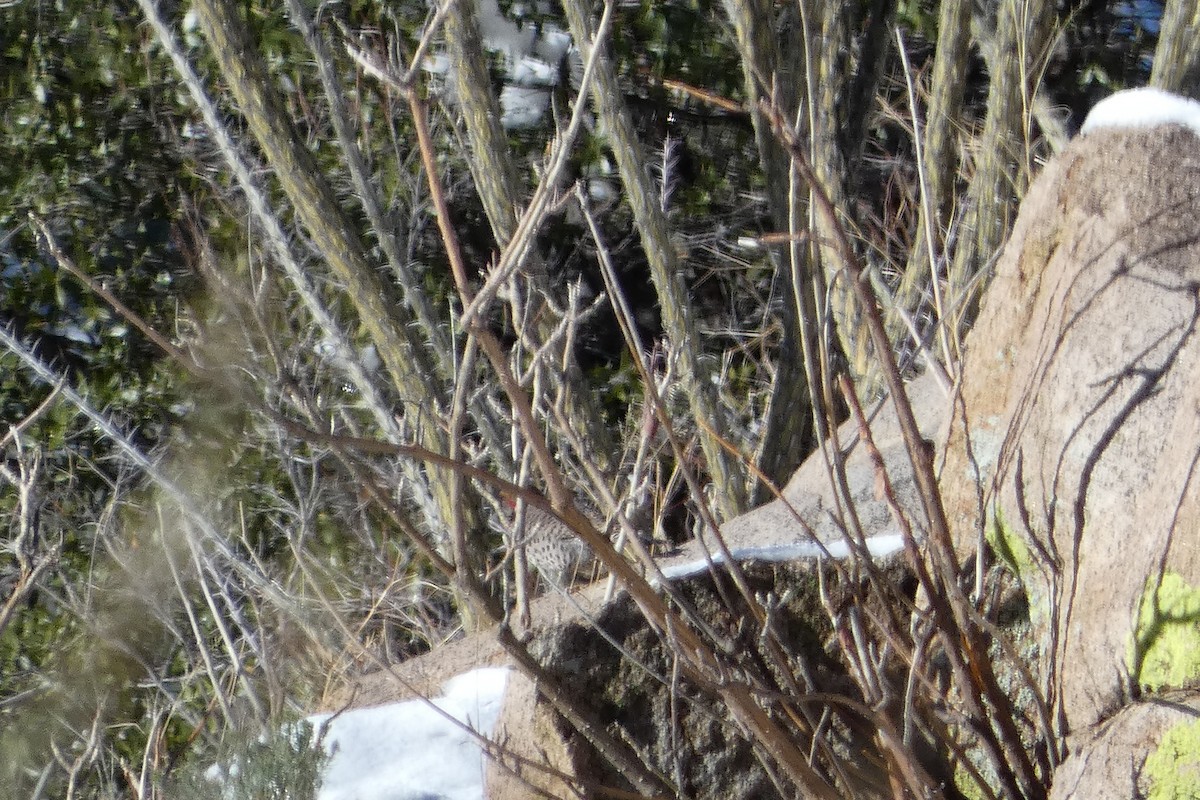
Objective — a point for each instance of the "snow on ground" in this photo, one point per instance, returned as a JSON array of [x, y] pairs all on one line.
[[879, 545], [415, 750], [1143, 108]]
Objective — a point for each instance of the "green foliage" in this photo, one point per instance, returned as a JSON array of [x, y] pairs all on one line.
[[918, 16], [98, 164], [674, 40], [285, 765], [88, 132]]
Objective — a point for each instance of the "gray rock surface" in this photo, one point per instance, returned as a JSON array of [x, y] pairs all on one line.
[[1079, 407], [810, 495], [1131, 754]]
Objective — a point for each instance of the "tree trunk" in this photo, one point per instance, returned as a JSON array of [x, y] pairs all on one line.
[[318, 209], [500, 190], [940, 162], [728, 476], [1177, 59], [1014, 55], [788, 428]]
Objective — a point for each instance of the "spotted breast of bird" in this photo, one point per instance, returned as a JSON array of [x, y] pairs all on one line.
[[553, 549]]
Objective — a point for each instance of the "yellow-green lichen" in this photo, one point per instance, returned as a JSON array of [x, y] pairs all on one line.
[[1166, 643], [968, 784], [1173, 769], [1009, 547]]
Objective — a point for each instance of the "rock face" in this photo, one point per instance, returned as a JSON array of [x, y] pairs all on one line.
[[1146, 750], [811, 496], [1080, 415], [668, 720]]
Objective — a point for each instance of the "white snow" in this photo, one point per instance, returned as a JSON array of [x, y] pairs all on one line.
[[602, 191], [73, 333], [503, 34], [1143, 108], [436, 64], [530, 55], [415, 749], [522, 107], [531, 71], [553, 43], [880, 545]]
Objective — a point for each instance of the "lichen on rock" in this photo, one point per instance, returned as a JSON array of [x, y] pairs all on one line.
[[1166, 646], [1174, 766]]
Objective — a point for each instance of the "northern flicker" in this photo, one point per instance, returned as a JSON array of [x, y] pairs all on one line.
[[554, 550]]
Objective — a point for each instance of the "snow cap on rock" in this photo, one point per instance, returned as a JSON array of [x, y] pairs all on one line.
[[1143, 108]]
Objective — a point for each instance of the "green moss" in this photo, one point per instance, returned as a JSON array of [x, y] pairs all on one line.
[[1174, 766], [1166, 645]]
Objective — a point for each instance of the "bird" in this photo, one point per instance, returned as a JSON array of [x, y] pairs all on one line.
[[553, 549]]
